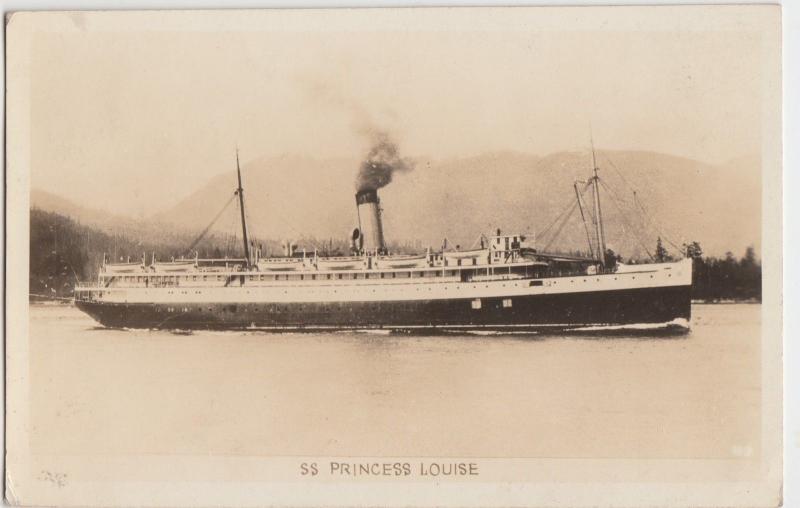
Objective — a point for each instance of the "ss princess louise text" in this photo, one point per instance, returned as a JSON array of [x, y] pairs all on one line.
[[353, 469]]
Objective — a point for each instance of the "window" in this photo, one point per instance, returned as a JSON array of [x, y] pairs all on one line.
[[536, 283], [476, 303], [506, 303]]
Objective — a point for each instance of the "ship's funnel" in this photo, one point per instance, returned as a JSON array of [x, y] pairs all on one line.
[[369, 221]]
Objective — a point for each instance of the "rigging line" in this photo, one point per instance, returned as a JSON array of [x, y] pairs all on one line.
[[615, 198], [633, 233], [209, 226], [561, 227], [286, 222], [282, 218], [614, 192], [544, 231], [655, 223], [625, 221], [555, 221], [619, 199], [624, 180], [635, 198], [563, 218], [642, 226]]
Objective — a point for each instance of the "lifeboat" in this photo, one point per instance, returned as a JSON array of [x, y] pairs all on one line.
[[280, 264], [413, 261], [174, 266], [340, 263], [123, 267], [466, 254]]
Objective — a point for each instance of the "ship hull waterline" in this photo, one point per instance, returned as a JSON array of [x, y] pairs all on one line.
[[669, 307]]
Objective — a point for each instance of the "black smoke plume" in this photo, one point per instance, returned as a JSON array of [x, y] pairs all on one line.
[[381, 163]]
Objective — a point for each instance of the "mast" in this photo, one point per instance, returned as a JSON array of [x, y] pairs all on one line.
[[240, 192], [583, 218], [601, 243]]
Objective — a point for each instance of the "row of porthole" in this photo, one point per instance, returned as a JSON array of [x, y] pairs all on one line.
[[248, 291], [445, 287], [554, 282], [391, 285], [598, 280]]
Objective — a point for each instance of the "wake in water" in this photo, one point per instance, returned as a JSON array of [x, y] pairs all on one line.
[[679, 326], [676, 327]]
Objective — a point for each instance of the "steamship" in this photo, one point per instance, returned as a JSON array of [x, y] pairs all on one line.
[[503, 285]]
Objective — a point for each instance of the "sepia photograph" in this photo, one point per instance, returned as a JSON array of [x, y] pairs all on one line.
[[461, 256]]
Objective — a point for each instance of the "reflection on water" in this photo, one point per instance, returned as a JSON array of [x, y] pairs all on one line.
[[616, 394]]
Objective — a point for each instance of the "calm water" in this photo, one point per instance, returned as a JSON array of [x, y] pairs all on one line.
[[231, 393]]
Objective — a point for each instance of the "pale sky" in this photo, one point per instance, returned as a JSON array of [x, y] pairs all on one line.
[[132, 120]]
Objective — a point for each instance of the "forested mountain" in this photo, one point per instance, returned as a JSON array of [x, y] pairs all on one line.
[[294, 197], [677, 198]]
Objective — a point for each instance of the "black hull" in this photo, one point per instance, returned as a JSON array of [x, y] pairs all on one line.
[[535, 312]]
